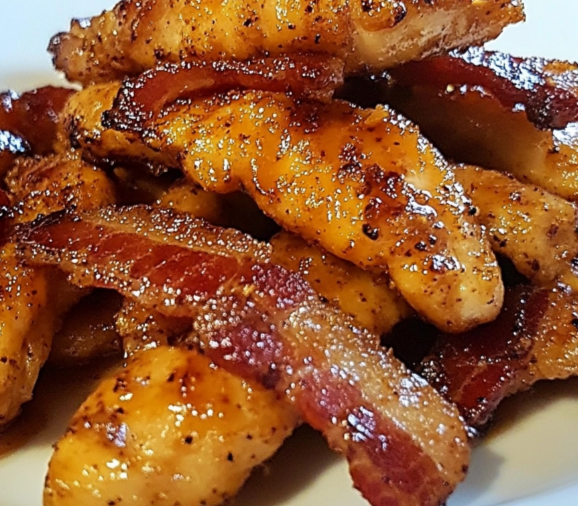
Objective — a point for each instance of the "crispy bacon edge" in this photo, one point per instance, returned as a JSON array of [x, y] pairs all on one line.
[[142, 98], [478, 369], [546, 89], [263, 322]]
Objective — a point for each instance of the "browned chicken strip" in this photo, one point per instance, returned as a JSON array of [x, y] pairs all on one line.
[[82, 118], [361, 183], [366, 297], [49, 184], [29, 317], [376, 193], [170, 428], [533, 228], [138, 35], [34, 301]]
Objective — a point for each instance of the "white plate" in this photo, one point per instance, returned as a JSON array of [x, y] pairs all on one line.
[[530, 459]]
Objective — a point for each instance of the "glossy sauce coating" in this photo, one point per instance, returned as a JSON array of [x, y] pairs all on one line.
[[265, 323], [536, 230], [138, 35], [170, 428], [29, 122], [363, 184], [34, 301], [547, 90], [365, 297], [535, 338], [470, 124]]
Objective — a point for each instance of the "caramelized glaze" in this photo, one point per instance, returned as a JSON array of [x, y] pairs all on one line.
[[262, 322]]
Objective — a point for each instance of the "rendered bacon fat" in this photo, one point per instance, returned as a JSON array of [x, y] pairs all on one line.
[[362, 183], [142, 99], [535, 338], [405, 445], [140, 34], [546, 89]]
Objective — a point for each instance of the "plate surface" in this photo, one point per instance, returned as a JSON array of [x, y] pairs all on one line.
[[530, 458]]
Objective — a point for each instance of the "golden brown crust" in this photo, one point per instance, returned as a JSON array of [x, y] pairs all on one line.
[[138, 35], [44, 185], [367, 298], [536, 230], [170, 428]]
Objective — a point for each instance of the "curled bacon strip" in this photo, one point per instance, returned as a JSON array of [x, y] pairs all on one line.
[[405, 444], [142, 98], [547, 89], [534, 338]]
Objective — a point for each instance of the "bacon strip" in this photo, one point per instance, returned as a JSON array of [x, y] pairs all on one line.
[[141, 99], [28, 122], [535, 338], [547, 89], [404, 443]]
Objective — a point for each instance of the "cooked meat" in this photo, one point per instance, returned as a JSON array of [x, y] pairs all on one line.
[[363, 184], [535, 338], [170, 428], [536, 230], [546, 90], [82, 119], [467, 117], [138, 35], [44, 185], [29, 123], [33, 301], [143, 328], [262, 322], [142, 98], [191, 199], [88, 331], [30, 315], [365, 297]]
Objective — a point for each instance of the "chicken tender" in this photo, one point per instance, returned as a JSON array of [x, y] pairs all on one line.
[[29, 317], [138, 35], [45, 185], [358, 293], [170, 428], [363, 184], [34, 301], [82, 119], [512, 115], [536, 230]]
